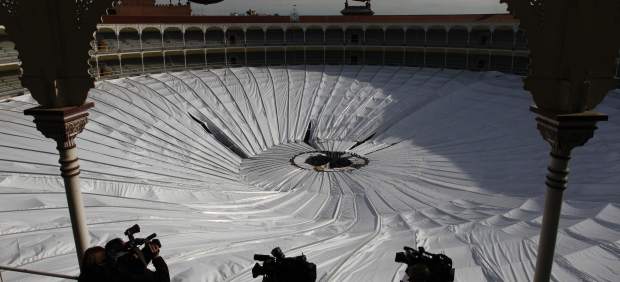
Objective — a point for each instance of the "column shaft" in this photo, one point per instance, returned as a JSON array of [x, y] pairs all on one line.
[[556, 183], [70, 171]]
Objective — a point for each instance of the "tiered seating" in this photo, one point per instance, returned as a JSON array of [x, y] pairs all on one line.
[[132, 66], [175, 62], [195, 61], [106, 42], [501, 63], [214, 38], [294, 37], [274, 37], [153, 64], [314, 37], [415, 37], [173, 43], [130, 45], [235, 37], [480, 38], [10, 86], [456, 60], [503, 39], [314, 57], [354, 36], [521, 40], [151, 40], [394, 37], [436, 36], [374, 37], [256, 59], [194, 38], [173, 39], [334, 37], [255, 37], [8, 54], [457, 37]]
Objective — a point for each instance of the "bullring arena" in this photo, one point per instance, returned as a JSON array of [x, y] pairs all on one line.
[[203, 128]]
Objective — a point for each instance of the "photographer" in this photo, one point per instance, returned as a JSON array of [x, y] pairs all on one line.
[[423, 266], [416, 273], [126, 262], [131, 264], [279, 268], [94, 268]]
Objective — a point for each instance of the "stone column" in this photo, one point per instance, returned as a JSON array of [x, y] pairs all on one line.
[[63, 125], [563, 133], [572, 49], [61, 82]]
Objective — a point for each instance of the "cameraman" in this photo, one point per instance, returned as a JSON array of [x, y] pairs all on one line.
[[130, 265], [416, 273]]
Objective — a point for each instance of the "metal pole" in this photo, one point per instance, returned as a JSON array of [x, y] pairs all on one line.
[[35, 272]]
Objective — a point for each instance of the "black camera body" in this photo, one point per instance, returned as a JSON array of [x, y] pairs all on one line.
[[137, 242], [439, 265], [127, 259], [278, 268]]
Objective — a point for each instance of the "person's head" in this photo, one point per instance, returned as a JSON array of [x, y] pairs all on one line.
[[418, 273], [114, 248], [94, 256]]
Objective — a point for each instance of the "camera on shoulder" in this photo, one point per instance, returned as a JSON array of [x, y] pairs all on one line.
[[279, 268], [424, 266], [128, 253]]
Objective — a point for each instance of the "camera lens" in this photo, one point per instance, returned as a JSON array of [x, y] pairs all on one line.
[[257, 270]]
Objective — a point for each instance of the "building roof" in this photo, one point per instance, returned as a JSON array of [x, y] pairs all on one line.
[[472, 18], [357, 10]]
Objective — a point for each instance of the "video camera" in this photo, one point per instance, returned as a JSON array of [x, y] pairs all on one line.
[[137, 242], [128, 254], [278, 268], [439, 265]]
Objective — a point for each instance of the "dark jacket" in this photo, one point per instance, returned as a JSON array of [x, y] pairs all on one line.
[[96, 274], [134, 271]]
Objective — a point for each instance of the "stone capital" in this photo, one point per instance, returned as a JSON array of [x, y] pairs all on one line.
[[564, 132], [573, 49], [61, 124], [53, 39]]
